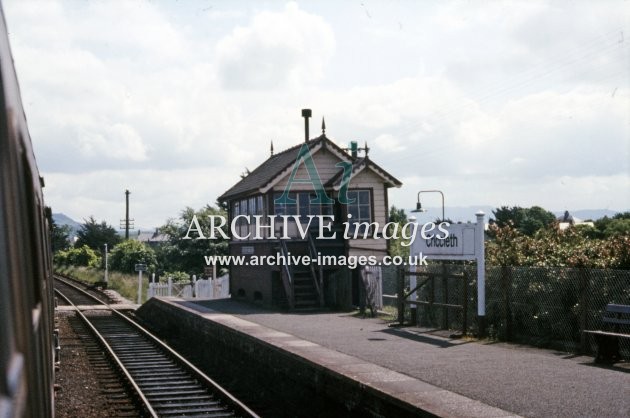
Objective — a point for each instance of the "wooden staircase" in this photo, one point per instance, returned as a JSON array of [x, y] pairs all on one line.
[[302, 284], [304, 290]]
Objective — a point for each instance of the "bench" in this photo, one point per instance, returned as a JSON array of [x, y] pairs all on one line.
[[616, 324]]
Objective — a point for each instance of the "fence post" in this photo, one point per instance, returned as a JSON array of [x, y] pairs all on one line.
[[139, 287], [445, 324], [413, 296], [583, 278], [465, 304], [170, 286], [506, 293], [400, 292], [429, 310]]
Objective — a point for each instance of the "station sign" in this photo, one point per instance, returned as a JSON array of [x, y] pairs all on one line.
[[141, 267], [462, 243], [247, 249]]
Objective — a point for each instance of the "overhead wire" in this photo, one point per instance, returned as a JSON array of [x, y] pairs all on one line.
[[601, 46]]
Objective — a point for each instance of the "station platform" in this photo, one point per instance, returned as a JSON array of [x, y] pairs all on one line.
[[407, 369]]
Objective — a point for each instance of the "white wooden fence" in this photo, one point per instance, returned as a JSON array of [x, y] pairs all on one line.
[[200, 289]]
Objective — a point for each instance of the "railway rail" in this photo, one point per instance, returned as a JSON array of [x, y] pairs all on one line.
[[163, 383], [79, 296]]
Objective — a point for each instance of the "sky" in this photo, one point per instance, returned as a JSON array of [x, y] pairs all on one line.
[[492, 102]]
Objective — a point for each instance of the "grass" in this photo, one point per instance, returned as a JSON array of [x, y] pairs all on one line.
[[387, 313], [125, 284]]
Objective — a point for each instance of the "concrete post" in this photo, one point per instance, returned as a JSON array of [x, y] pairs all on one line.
[[481, 273], [139, 287]]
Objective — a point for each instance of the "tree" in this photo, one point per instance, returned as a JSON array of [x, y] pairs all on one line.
[[188, 254], [95, 235], [395, 244], [619, 224], [525, 220], [397, 215], [617, 227], [127, 254], [59, 236]]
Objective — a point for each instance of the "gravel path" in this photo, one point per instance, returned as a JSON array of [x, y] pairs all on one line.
[[79, 392]]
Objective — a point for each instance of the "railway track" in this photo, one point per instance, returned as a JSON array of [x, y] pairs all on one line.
[[77, 295], [162, 382]]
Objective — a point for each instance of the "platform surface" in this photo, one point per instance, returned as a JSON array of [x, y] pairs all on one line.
[[513, 379]]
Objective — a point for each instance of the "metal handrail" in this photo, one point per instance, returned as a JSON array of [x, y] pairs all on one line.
[[317, 279], [287, 278]]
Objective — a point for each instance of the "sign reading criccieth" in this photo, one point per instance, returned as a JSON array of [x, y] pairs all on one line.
[[461, 243], [464, 242], [141, 267]]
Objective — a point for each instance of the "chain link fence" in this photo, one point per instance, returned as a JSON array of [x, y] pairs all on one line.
[[543, 306]]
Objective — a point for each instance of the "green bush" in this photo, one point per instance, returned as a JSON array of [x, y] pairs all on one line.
[[177, 276], [552, 247], [127, 254], [81, 256]]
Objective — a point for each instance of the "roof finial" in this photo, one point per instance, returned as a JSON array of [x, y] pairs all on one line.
[[271, 148], [323, 126], [367, 149]]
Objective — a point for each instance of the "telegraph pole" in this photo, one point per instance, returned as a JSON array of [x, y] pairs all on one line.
[[126, 223], [127, 192], [106, 271]]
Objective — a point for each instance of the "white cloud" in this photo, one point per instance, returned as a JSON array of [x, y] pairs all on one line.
[[495, 103], [117, 141], [156, 195], [552, 193], [214, 15], [388, 143], [127, 29], [580, 133], [276, 50]]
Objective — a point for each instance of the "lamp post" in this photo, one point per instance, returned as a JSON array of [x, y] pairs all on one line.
[[412, 268], [419, 205], [413, 309]]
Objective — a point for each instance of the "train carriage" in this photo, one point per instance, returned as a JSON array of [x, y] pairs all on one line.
[[26, 300]]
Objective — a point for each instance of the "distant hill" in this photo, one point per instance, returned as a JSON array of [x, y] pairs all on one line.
[[61, 219], [454, 213], [467, 213]]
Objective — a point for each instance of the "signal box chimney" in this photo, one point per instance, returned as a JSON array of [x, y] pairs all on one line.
[[306, 113]]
